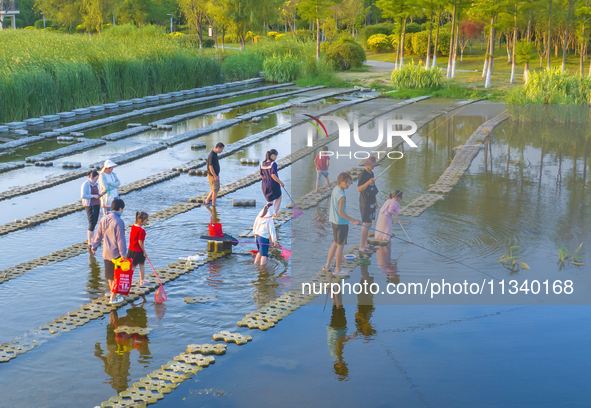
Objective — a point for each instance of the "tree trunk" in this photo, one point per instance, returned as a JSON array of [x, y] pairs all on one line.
[[570, 6], [582, 51], [436, 38], [402, 44], [549, 34], [491, 61], [200, 35], [451, 42], [485, 65], [215, 35], [455, 52], [512, 80], [531, 5], [317, 36], [223, 37], [508, 46], [429, 40]]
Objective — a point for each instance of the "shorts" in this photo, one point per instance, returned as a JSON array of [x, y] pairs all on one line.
[[109, 270], [340, 233], [322, 173], [368, 213], [137, 258], [263, 249], [92, 213], [215, 185]]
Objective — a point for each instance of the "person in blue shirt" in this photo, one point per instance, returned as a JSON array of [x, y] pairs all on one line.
[[340, 223]]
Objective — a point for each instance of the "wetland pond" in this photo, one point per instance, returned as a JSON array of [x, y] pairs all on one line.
[[527, 187]]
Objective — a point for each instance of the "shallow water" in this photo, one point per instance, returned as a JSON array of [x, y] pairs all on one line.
[[367, 352]]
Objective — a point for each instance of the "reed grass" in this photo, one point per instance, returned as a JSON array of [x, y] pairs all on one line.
[[47, 72], [412, 76]]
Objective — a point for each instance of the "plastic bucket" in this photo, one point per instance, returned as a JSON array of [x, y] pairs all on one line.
[[215, 230]]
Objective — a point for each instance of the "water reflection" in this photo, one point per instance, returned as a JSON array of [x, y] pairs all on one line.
[[388, 266], [95, 282], [117, 354], [336, 334]]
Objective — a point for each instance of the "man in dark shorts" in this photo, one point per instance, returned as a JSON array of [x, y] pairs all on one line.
[[111, 230], [213, 173], [340, 223], [366, 185]]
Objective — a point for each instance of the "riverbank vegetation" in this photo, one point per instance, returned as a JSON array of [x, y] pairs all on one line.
[[51, 72]]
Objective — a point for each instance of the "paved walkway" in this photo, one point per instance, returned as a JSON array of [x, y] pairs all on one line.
[[388, 66]]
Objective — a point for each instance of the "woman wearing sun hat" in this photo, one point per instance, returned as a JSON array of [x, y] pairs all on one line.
[[108, 183]]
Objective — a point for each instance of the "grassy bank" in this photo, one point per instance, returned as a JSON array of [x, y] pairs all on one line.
[[47, 72]]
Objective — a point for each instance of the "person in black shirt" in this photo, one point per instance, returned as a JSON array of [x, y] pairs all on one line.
[[213, 173], [367, 199]]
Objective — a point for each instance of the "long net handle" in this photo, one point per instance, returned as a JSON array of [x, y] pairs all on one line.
[[157, 277]]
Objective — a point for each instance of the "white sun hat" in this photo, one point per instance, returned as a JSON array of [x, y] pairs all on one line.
[[108, 164]]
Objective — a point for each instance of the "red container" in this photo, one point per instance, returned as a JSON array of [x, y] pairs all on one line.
[[215, 230], [122, 281]]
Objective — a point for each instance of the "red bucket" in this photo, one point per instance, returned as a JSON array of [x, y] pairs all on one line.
[[215, 230], [122, 281]]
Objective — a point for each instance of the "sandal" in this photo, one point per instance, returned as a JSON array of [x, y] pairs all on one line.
[[365, 251], [325, 269]]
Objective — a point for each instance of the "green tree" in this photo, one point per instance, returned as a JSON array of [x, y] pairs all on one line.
[[400, 11], [315, 10], [244, 15], [64, 12], [132, 11], [92, 14], [195, 12], [430, 9], [524, 52], [583, 13]]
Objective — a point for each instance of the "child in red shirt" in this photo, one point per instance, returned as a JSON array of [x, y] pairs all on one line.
[[137, 252], [322, 161]]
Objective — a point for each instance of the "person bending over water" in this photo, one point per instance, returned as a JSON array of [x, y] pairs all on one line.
[[264, 232]]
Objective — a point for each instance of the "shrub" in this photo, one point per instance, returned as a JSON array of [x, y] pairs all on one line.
[[413, 28], [552, 87], [344, 55], [271, 34], [408, 43], [319, 72], [39, 24], [29, 28], [242, 65], [371, 30], [416, 76], [192, 40], [281, 68], [443, 42], [305, 34], [280, 36], [379, 43], [420, 41]]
